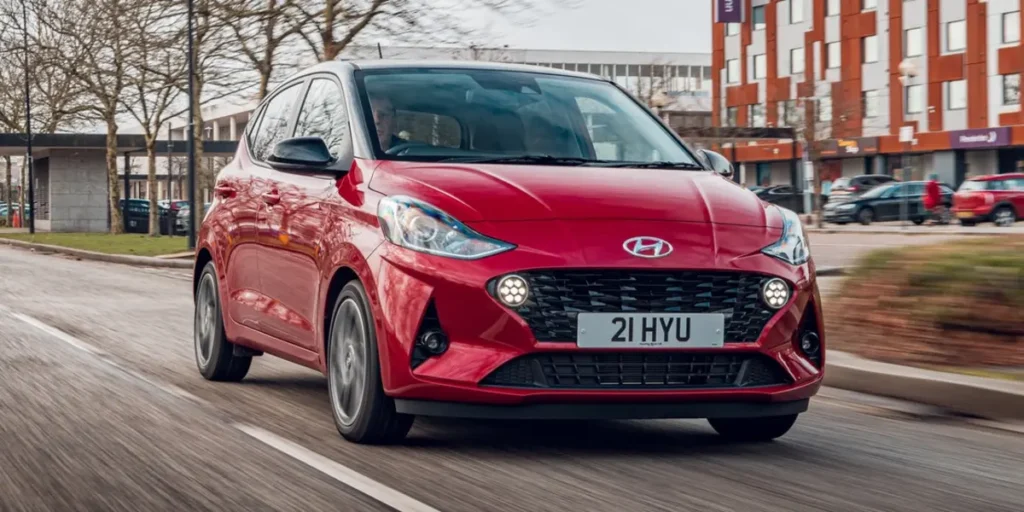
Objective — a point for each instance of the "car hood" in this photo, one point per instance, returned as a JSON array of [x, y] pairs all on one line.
[[488, 192]]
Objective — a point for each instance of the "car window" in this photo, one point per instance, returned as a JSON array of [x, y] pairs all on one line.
[[323, 115], [997, 185], [515, 114], [1016, 184], [881, 192], [972, 185], [274, 124]]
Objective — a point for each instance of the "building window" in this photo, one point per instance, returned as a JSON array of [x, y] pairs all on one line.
[[1011, 27], [732, 29], [787, 113], [869, 49], [824, 112], [956, 95], [796, 61], [757, 119], [1011, 89], [796, 11], [912, 46], [833, 57], [757, 17], [870, 99], [956, 38], [914, 99], [760, 66], [867, 5], [731, 116], [732, 71], [831, 7]]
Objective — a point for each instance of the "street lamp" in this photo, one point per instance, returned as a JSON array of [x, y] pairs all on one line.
[[908, 71], [191, 133], [30, 214]]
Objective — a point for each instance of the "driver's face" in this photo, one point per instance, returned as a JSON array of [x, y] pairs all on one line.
[[384, 119]]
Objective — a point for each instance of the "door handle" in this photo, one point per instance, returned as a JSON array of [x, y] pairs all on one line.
[[271, 198], [225, 190]]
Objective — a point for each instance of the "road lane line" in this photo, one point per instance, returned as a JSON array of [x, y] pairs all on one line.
[[343, 474], [349, 477]]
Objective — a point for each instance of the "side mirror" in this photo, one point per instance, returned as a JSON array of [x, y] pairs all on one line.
[[309, 154], [719, 163]]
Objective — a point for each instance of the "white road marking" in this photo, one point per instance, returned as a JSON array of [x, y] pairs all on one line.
[[349, 477]]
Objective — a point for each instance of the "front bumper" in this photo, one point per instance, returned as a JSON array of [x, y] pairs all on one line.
[[415, 289], [834, 215]]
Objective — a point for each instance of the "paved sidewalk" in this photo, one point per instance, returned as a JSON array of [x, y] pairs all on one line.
[[895, 228]]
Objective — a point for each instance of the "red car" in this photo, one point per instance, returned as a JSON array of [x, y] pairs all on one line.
[[997, 198], [495, 241]]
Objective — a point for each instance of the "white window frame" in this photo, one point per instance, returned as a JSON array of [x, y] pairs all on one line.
[[831, 63], [796, 11], [961, 25], [908, 108], [869, 57], [918, 41], [760, 71], [732, 29], [832, 8], [955, 101], [1014, 18], [732, 71], [764, 16], [868, 5], [871, 104], [803, 64], [1004, 89]]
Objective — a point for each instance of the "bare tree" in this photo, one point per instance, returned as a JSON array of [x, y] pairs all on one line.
[[156, 71], [260, 29]]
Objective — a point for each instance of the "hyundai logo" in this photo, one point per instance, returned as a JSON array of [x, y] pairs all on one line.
[[647, 247]]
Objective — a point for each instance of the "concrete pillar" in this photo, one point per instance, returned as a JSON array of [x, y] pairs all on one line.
[[232, 128], [78, 190], [216, 130]]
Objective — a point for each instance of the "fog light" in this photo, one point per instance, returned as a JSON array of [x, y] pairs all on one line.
[[810, 344], [513, 291], [775, 293], [434, 342]]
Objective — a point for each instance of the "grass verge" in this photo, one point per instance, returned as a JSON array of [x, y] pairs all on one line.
[[130, 244]]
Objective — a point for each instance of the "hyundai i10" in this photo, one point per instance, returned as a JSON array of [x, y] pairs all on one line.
[[495, 241]]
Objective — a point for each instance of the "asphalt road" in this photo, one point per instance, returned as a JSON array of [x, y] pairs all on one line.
[[103, 409]]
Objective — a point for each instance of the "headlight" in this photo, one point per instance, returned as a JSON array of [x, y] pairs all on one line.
[[421, 227], [792, 246]]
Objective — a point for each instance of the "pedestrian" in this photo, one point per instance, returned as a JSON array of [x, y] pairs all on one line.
[[933, 197]]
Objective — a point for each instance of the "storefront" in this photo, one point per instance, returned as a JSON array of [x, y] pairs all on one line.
[[850, 157], [977, 153]]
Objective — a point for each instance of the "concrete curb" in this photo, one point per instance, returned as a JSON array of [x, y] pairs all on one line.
[[137, 261], [992, 399]]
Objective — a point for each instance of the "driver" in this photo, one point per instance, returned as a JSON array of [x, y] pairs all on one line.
[[384, 119]]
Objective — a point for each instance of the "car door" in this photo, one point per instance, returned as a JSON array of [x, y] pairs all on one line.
[[295, 217], [887, 206]]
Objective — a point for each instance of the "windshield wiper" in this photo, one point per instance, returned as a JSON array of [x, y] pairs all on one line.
[[657, 165], [521, 159]]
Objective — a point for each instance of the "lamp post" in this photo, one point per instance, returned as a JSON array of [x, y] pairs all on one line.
[[908, 71], [30, 213], [191, 133]]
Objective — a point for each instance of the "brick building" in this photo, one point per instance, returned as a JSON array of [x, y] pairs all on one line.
[[832, 68]]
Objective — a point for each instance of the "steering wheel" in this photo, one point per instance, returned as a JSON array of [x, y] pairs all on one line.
[[399, 149]]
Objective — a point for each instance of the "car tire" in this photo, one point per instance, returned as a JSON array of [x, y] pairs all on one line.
[[215, 355], [756, 430], [362, 412], [1004, 216], [918, 221], [865, 216]]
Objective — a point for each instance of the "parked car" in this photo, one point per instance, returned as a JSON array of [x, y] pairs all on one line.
[[501, 259], [997, 198], [783, 195], [183, 216], [856, 185], [137, 217], [885, 203]]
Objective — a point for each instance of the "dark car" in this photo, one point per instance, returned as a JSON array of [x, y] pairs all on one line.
[[885, 203], [783, 195], [856, 185]]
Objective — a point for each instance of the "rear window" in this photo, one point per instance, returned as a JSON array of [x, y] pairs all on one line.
[[841, 183], [971, 186]]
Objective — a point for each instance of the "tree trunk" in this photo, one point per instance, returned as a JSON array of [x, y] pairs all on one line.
[[9, 191], [154, 213], [114, 190]]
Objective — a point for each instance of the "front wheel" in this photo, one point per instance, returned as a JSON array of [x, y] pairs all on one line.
[[1004, 217], [865, 216], [362, 412], [215, 355], [753, 429]]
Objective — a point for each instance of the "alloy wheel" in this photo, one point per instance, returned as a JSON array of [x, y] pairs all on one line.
[[206, 320], [348, 362]]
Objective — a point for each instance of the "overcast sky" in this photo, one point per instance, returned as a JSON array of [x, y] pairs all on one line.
[[608, 25]]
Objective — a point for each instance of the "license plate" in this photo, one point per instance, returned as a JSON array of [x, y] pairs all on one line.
[[650, 330], [964, 214]]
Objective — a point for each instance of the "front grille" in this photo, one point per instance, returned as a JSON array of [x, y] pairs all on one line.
[[557, 296], [633, 370]]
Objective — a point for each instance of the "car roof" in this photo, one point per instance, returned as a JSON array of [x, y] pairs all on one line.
[[347, 66], [997, 177]]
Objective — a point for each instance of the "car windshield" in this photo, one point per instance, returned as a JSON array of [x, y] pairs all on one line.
[[473, 115], [972, 185]]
